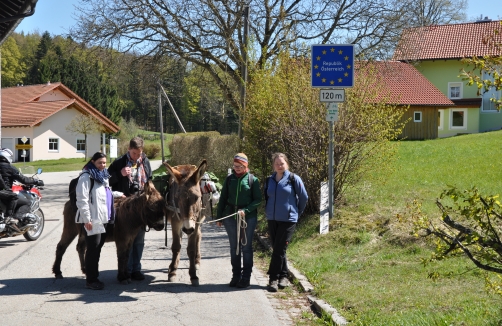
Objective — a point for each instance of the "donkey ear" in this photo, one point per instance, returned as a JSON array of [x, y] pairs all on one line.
[[199, 173], [173, 172]]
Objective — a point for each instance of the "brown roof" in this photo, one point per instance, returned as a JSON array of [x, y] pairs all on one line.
[[401, 83], [450, 41], [21, 106]]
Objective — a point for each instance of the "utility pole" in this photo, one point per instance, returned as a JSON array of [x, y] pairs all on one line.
[[161, 123], [244, 70]]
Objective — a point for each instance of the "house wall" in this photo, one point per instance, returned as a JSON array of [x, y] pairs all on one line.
[[54, 95], [426, 129], [442, 72], [11, 136], [55, 127], [472, 126]]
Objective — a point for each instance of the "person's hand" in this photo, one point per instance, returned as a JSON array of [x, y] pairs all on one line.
[[125, 171], [241, 213], [88, 226], [219, 224]]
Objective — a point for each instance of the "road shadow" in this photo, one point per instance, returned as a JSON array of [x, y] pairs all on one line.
[[58, 290]]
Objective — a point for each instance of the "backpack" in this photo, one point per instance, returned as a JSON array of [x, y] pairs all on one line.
[[250, 181], [265, 186], [72, 190]]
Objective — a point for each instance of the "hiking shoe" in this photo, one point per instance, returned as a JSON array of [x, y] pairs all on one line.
[[138, 276], [273, 286], [97, 285], [242, 284], [283, 282], [233, 282]]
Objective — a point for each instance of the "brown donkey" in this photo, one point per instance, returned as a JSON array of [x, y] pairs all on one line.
[[185, 212], [143, 210]]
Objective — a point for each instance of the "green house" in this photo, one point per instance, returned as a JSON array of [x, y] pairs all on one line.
[[437, 52]]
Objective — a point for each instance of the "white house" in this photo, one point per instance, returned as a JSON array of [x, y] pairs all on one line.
[[34, 120]]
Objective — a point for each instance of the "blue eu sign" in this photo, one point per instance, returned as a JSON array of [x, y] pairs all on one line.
[[332, 65]]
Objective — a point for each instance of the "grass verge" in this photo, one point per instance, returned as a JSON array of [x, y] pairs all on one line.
[[369, 266]]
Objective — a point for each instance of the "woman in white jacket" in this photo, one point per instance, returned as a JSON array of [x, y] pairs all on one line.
[[95, 211]]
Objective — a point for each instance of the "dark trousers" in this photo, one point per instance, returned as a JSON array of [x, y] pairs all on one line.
[[94, 244], [280, 235]]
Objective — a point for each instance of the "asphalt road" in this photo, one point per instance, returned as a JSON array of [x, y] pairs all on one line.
[[29, 293]]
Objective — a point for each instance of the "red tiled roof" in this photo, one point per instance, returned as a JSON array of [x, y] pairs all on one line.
[[401, 83], [450, 41], [21, 108]]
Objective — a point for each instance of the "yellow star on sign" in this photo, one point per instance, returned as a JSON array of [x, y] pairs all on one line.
[[324, 80], [316, 66], [340, 52], [332, 49], [318, 58], [323, 51], [340, 80], [346, 58], [318, 74], [332, 82], [349, 66], [346, 74]]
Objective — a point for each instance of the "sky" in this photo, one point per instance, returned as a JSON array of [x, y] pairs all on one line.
[[56, 16]]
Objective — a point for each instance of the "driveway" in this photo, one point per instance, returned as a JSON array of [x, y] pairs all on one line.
[[29, 293]]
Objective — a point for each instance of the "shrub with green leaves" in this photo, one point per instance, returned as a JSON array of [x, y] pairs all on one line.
[[284, 114]]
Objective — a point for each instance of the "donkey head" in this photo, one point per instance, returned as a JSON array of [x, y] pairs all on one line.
[[154, 206], [185, 194]]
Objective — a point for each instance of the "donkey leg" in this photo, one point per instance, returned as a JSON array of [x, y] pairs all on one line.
[[193, 252], [66, 239], [175, 248], [123, 250], [70, 231], [81, 248]]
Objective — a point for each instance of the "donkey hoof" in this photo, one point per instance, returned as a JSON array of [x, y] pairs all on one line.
[[171, 278], [59, 276], [195, 282], [125, 282]]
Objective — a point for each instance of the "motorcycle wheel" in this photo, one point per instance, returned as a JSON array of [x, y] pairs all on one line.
[[35, 232]]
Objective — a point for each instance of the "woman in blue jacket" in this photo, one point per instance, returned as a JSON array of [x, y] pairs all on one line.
[[286, 199]]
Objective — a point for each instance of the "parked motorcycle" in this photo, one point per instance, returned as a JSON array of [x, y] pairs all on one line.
[[34, 228]]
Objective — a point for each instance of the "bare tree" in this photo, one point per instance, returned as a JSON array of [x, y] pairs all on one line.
[[436, 12], [209, 33], [84, 125]]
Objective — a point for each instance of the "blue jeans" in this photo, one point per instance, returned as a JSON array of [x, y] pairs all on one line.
[[134, 262], [246, 251]]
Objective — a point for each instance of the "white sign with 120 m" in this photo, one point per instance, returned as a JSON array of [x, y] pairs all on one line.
[[332, 95]]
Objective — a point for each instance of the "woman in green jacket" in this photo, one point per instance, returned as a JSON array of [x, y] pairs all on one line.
[[241, 196]]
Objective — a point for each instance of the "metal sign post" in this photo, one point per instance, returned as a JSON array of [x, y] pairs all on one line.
[[332, 68]]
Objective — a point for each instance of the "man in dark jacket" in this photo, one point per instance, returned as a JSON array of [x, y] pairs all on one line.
[[128, 174], [20, 205]]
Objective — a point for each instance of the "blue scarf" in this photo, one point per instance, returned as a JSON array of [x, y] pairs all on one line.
[[96, 174]]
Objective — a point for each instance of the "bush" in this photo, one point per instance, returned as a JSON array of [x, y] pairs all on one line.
[[192, 148], [151, 150]]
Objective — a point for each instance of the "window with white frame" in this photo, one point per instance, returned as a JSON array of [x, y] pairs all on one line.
[[53, 144], [80, 145], [458, 119], [487, 104], [440, 119], [454, 90], [417, 116]]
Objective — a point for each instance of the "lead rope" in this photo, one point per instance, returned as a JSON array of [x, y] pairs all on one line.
[[241, 221]]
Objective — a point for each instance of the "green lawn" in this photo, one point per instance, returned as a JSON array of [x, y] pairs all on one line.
[[369, 268]]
